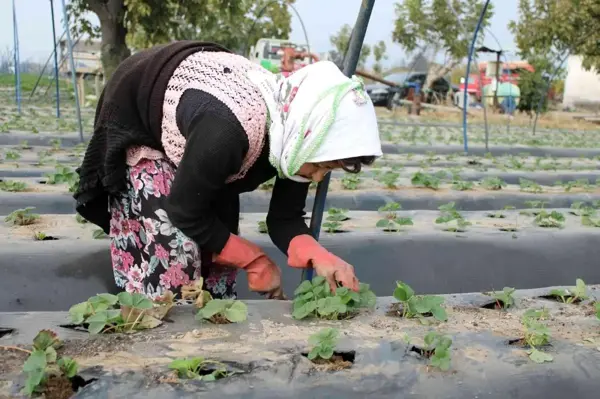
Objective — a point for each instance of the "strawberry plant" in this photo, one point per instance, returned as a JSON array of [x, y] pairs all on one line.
[[44, 368], [62, 174], [337, 215], [552, 219], [452, 218], [530, 186], [588, 220], [12, 155], [12, 186], [391, 221], [332, 227], [418, 306], [199, 368], [323, 344], [218, 311], [125, 312], [579, 208], [422, 179], [597, 306], [389, 179], [579, 183], [40, 236], [461, 185], [573, 295], [492, 183], [22, 217], [535, 205], [351, 181], [315, 299], [537, 334], [504, 299], [437, 350], [55, 143]]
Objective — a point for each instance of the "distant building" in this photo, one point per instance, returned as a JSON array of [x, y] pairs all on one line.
[[582, 88], [86, 56]]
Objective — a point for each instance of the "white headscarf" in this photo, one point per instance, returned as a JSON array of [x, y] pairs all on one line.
[[317, 114]]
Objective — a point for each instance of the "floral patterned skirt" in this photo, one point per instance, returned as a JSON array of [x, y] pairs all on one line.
[[149, 255]]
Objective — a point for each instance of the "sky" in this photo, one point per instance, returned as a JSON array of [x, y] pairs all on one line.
[[322, 18]]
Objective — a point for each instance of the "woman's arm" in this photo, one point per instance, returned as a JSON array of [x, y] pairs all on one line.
[[286, 211], [215, 149]]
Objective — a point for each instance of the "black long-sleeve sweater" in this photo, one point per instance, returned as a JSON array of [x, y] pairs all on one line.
[[200, 204]]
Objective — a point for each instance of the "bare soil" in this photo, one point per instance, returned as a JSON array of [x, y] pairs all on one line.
[[335, 363], [58, 388]]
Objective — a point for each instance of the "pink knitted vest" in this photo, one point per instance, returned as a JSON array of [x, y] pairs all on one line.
[[206, 71]]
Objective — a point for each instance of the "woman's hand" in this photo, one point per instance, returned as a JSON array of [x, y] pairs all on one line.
[[304, 251], [264, 275]]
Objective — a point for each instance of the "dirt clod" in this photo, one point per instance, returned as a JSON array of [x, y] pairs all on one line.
[[58, 388]]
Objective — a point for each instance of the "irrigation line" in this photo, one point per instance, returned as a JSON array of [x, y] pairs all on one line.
[[349, 68], [72, 63], [471, 51]]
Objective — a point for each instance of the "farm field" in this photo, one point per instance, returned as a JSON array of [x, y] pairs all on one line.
[[456, 232]]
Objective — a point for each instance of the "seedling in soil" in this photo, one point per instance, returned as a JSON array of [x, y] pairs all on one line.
[[422, 179], [337, 214], [262, 227], [99, 234], [417, 306], [552, 219], [323, 344], [315, 299], [12, 155], [125, 312], [332, 227], [24, 145], [580, 183], [46, 372], [41, 236], [587, 220], [537, 335], [581, 209], [391, 221], [62, 174], [534, 205], [452, 218], [437, 350], [492, 183], [22, 217], [55, 143], [529, 186], [389, 179], [462, 185], [574, 295], [12, 186], [351, 181], [217, 311], [504, 299], [199, 368]]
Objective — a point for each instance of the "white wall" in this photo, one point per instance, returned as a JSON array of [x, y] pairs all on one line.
[[581, 87]]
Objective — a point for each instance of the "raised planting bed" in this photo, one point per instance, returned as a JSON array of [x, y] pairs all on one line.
[[490, 253], [389, 148], [376, 353]]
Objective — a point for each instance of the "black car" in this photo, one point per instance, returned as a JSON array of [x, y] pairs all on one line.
[[385, 95]]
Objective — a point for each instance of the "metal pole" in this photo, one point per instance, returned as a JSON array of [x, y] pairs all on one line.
[[471, 52], [72, 64], [17, 58], [55, 60], [349, 67]]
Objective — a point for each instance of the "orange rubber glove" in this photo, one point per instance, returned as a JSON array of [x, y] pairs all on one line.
[[304, 251], [263, 274]]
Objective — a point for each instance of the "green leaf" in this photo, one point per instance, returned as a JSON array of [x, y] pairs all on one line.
[[403, 291], [540, 357], [237, 312], [34, 379], [314, 352], [212, 308], [50, 354], [35, 361], [45, 339], [326, 352], [439, 313], [79, 311], [96, 327], [303, 288], [110, 299], [68, 366]]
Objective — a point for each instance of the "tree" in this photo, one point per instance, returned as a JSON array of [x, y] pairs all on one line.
[[379, 52], [557, 28], [143, 23], [340, 43], [434, 24]]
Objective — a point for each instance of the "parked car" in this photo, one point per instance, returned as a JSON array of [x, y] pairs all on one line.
[[385, 95]]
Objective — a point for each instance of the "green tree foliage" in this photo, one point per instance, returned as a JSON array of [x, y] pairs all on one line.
[[379, 52], [434, 24], [553, 28], [340, 41], [144, 23]]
